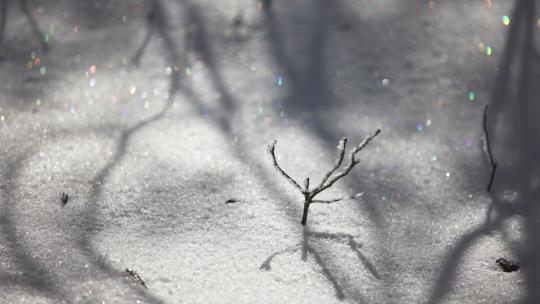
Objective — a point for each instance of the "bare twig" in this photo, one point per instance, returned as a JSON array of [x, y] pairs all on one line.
[[64, 198], [487, 151], [329, 178], [137, 277], [271, 150]]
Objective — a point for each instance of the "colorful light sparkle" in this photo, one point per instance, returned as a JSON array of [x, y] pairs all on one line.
[[506, 20], [471, 96], [132, 89]]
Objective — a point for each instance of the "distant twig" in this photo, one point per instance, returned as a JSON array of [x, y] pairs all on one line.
[[136, 276], [64, 198], [329, 178], [487, 150]]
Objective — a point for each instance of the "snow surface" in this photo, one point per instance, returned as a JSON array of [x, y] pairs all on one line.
[[148, 163]]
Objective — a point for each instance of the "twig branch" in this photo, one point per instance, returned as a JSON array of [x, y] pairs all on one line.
[[351, 197], [352, 162], [271, 150], [487, 150], [339, 160]]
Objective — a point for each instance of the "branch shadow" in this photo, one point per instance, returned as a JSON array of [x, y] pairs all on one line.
[[3, 21], [33, 275], [517, 147], [91, 213], [157, 21], [23, 5], [309, 250], [202, 47]]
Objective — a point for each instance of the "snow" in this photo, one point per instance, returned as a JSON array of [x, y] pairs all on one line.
[[148, 165]]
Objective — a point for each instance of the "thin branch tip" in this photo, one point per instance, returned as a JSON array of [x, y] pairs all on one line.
[[271, 146], [271, 150]]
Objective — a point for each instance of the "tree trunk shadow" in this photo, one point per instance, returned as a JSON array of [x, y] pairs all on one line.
[[23, 5], [518, 150], [157, 21]]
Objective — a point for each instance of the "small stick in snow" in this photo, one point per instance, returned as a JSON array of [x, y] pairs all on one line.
[[231, 201], [329, 178], [135, 275], [64, 198], [487, 150], [507, 265]]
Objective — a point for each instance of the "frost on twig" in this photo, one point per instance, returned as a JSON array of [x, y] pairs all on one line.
[[487, 150], [329, 178], [351, 197], [136, 276]]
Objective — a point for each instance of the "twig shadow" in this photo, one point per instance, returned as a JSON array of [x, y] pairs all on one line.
[[23, 4], [309, 250]]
